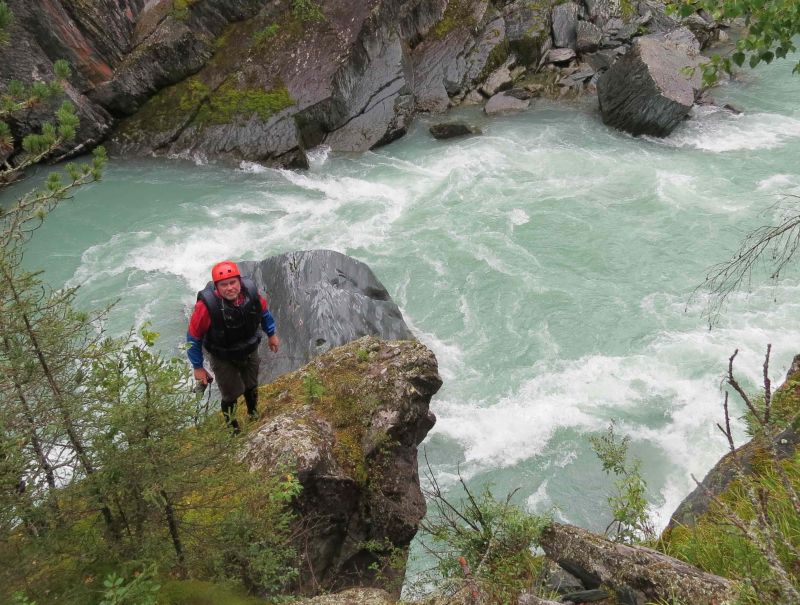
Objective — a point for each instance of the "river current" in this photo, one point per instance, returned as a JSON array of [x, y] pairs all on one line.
[[548, 263]]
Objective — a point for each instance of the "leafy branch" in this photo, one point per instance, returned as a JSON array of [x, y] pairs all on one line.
[[771, 26]]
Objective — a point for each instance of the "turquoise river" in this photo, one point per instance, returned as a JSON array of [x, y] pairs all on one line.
[[548, 263]]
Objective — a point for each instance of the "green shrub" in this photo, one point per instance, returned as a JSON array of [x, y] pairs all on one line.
[[307, 11], [631, 521], [493, 539], [262, 36]]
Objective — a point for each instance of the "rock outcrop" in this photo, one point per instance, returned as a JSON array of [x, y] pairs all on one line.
[[321, 299], [638, 575], [249, 80], [348, 426], [653, 86]]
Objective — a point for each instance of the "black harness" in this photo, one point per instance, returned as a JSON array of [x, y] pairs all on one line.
[[233, 334]]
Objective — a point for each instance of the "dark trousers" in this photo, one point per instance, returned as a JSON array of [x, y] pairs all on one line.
[[235, 378]]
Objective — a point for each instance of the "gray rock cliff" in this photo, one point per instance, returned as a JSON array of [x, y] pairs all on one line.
[[321, 299]]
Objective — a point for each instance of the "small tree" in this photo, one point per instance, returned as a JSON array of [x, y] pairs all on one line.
[[480, 544], [631, 521]]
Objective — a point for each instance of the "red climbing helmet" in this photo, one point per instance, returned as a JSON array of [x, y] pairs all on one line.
[[224, 270]]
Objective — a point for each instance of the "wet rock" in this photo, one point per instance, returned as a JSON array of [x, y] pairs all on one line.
[[578, 77], [449, 130], [704, 28], [616, 31], [499, 80], [321, 299], [588, 37], [489, 48], [652, 87], [439, 62], [354, 452], [565, 21], [527, 26], [659, 21], [586, 596], [600, 10], [602, 59], [562, 582], [560, 55], [507, 101]]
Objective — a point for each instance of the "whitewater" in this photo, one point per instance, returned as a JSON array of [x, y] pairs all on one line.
[[549, 263]]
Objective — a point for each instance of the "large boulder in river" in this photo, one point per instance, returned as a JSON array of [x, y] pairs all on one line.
[[651, 88], [321, 299], [352, 444]]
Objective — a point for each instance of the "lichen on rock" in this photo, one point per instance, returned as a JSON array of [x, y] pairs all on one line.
[[348, 425]]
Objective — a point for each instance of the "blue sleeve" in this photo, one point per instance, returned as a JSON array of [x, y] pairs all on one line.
[[268, 323], [195, 351]]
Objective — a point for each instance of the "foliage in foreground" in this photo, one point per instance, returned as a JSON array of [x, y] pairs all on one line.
[[109, 475], [751, 532], [770, 27], [479, 544]]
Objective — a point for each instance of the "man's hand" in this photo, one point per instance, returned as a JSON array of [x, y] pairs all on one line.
[[201, 375], [273, 343]]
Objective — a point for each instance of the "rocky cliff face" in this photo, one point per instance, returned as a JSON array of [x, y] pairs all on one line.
[[264, 81], [348, 425]]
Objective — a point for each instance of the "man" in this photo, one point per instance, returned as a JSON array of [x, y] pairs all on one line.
[[225, 322]]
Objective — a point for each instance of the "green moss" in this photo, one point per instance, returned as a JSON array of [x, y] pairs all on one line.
[[228, 103], [528, 50], [348, 402], [165, 110], [195, 592], [263, 36], [194, 92], [627, 10], [307, 11], [495, 59], [180, 8], [458, 14]]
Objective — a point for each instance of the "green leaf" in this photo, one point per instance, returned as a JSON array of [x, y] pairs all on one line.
[[754, 60], [738, 58]]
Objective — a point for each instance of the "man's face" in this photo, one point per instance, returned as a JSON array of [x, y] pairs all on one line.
[[229, 288]]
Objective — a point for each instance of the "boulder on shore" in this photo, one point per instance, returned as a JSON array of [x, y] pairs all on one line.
[[511, 100], [652, 87], [321, 299]]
